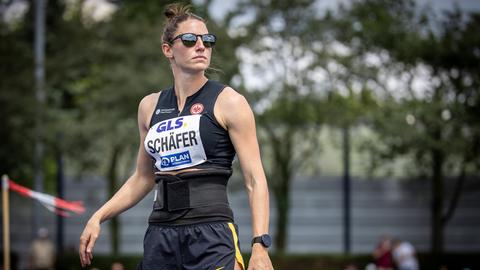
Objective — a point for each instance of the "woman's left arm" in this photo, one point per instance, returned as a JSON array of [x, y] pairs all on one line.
[[232, 111]]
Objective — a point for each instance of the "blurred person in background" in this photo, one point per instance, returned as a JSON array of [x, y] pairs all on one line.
[[404, 255], [117, 266], [350, 266], [192, 132], [42, 252], [382, 254]]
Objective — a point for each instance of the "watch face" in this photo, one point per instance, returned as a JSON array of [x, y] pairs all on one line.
[[266, 240]]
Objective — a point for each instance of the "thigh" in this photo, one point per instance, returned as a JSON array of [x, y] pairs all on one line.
[[211, 246]]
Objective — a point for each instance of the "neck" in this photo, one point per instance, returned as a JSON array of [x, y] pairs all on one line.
[[187, 84]]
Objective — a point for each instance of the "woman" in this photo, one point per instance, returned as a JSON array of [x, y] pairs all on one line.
[[383, 254], [192, 132]]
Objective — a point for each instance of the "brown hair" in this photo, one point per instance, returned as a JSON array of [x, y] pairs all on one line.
[[176, 14]]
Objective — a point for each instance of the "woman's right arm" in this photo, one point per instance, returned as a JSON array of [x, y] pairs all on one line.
[[132, 191]]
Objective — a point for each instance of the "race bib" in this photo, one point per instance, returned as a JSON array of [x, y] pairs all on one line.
[[176, 143]]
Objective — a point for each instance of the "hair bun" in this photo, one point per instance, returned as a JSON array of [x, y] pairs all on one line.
[[175, 10]]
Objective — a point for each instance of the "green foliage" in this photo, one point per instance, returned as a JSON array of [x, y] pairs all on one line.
[[449, 57], [16, 103], [434, 124]]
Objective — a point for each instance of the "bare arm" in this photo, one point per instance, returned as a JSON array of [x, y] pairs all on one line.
[[132, 191], [237, 117]]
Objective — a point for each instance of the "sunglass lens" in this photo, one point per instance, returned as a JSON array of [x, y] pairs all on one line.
[[189, 40], [208, 40]]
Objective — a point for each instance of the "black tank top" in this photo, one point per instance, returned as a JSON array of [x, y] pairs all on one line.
[[211, 148]]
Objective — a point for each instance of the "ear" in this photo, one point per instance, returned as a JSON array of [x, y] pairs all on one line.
[[167, 50]]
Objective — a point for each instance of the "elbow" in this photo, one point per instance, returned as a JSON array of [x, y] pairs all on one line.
[[249, 185], [255, 184]]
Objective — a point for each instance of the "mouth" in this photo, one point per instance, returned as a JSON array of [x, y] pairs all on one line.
[[200, 57]]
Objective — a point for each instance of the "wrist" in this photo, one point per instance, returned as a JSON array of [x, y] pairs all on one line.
[[259, 248], [95, 218], [263, 240]]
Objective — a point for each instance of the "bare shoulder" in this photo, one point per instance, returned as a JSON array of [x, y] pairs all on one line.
[[146, 107], [149, 101], [232, 107], [230, 99]]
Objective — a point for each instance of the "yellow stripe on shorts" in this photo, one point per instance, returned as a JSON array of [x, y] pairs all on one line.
[[238, 255]]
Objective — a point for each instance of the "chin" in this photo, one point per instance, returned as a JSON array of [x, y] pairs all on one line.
[[197, 68]]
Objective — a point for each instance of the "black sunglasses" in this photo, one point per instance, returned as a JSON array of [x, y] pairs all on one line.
[[189, 39]]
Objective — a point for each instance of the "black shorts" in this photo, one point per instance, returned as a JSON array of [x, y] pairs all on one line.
[[206, 246]]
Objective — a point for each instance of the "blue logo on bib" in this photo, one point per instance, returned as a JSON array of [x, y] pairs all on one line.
[[175, 160], [170, 125]]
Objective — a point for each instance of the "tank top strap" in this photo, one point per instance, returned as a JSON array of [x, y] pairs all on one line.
[[208, 96], [166, 106]]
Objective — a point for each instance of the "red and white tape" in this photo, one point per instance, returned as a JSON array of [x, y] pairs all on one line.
[[54, 204]]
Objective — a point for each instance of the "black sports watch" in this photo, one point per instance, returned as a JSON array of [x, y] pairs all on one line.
[[264, 239]]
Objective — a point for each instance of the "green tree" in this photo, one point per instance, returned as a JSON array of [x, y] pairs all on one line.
[[65, 63], [16, 100], [435, 123]]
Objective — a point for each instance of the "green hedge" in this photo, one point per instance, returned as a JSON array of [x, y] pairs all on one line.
[[308, 261]]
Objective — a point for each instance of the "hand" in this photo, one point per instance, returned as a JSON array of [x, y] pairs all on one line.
[[87, 241], [259, 259]]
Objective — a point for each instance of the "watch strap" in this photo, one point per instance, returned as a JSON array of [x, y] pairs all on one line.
[[257, 239]]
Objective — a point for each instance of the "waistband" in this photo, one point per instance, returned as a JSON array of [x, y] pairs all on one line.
[[191, 189]]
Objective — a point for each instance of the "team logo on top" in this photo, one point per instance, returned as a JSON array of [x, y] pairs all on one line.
[[196, 108]]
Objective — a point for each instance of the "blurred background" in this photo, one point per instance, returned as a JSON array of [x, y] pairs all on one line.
[[368, 117]]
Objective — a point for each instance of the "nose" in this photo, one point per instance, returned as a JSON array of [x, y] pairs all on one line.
[[199, 45]]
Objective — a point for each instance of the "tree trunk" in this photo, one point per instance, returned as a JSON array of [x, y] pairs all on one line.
[[282, 177], [437, 205], [456, 195], [282, 195], [112, 187], [346, 191]]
